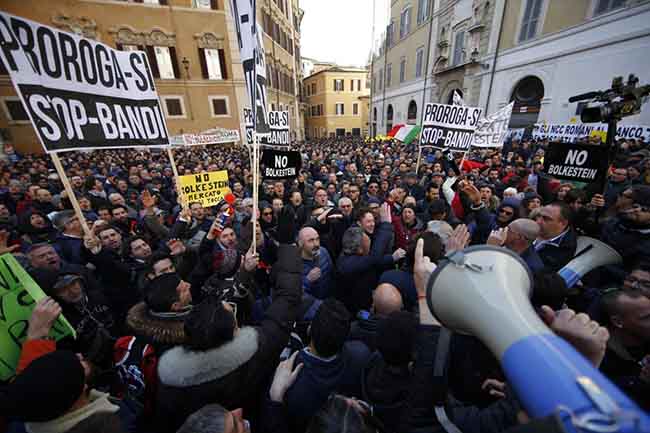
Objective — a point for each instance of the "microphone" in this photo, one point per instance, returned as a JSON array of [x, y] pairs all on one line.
[[583, 96]]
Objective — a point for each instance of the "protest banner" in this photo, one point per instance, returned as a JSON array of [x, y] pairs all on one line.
[[205, 188], [279, 129], [578, 162], [79, 93], [570, 132], [280, 164], [493, 129], [214, 136], [18, 296], [449, 126]]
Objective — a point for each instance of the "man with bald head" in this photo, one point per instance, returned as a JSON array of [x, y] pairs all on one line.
[[518, 237], [317, 264], [386, 299]]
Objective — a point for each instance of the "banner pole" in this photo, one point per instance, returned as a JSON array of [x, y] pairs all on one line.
[[462, 161], [177, 179], [70, 192], [255, 189], [417, 165]]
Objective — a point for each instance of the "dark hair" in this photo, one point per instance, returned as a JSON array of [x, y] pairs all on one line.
[[330, 328], [565, 211], [337, 416], [433, 247], [209, 419], [155, 257], [209, 325], [117, 206], [160, 293], [548, 289], [396, 338]]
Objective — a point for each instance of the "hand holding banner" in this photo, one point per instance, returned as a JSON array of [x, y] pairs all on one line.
[[18, 296]]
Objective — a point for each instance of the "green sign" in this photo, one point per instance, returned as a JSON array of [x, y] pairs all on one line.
[[18, 296]]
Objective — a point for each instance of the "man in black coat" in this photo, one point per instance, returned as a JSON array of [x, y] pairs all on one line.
[[557, 241], [222, 362], [386, 299]]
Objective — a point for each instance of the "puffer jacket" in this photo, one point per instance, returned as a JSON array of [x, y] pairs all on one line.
[[235, 373]]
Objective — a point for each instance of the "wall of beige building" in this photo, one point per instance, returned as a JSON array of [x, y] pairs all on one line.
[[324, 118], [176, 24]]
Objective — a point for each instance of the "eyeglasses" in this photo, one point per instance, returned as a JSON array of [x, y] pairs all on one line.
[[267, 213], [506, 212]]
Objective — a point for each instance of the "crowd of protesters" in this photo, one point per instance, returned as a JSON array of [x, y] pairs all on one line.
[[182, 328]]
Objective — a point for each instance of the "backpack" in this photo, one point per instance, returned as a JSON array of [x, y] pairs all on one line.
[[136, 364]]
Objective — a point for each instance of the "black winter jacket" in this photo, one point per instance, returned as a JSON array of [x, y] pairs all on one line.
[[235, 374]]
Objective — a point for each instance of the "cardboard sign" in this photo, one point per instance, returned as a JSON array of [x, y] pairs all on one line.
[[279, 129], [280, 164], [449, 126], [18, 296], [492, 130], [578, 162], [79, 93], [205, 188]]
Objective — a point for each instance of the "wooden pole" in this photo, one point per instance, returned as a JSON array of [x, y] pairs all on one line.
[[177, 180], [417, 165], [71, 194], [255, 168]]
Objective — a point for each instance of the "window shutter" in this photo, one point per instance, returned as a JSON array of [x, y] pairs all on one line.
[[162, 2], [222, 64], [204, 64], [214, 4], [172, 54], [153, 64]]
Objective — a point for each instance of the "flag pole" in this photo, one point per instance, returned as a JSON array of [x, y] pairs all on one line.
[[177, 179], [70, 192]]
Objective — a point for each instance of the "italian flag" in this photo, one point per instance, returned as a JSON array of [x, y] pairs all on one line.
[[407, 133]]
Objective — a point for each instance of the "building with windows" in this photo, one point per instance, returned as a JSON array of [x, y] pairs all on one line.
[[544, 51], [337, 100], [192, 48], [431, 48]]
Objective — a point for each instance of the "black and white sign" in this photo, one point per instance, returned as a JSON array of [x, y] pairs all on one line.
[[280, 164], [579, 162], [570, 132], [81, 94], [279, 129], [251, 48], [492, 130], [449, 126]]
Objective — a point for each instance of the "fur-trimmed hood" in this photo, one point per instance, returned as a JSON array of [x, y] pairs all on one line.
[[169, 331], [180, 367]]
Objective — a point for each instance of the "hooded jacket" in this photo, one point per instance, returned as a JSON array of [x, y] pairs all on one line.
[[235, 373], [320, 377]]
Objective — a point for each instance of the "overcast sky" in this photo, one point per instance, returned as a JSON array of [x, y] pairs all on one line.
[[339, 30]]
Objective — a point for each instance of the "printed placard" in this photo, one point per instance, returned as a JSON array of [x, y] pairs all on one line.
[[449, 126], [79, 93], [18, 296], [280, 164], [578, 162], [205, 188], [278, 122], [492, 130]]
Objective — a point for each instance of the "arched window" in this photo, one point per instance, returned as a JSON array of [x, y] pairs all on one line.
[[450, 98], [389, 118], [412, 114], [527, 95]]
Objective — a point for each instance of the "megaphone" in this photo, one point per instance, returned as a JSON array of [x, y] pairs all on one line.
[[484, 291], [591, 253]]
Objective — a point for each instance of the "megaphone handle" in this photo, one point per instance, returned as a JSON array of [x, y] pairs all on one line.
[[546, 373]]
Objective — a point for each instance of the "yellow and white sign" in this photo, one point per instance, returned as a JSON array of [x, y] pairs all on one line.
[[205, 188]]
